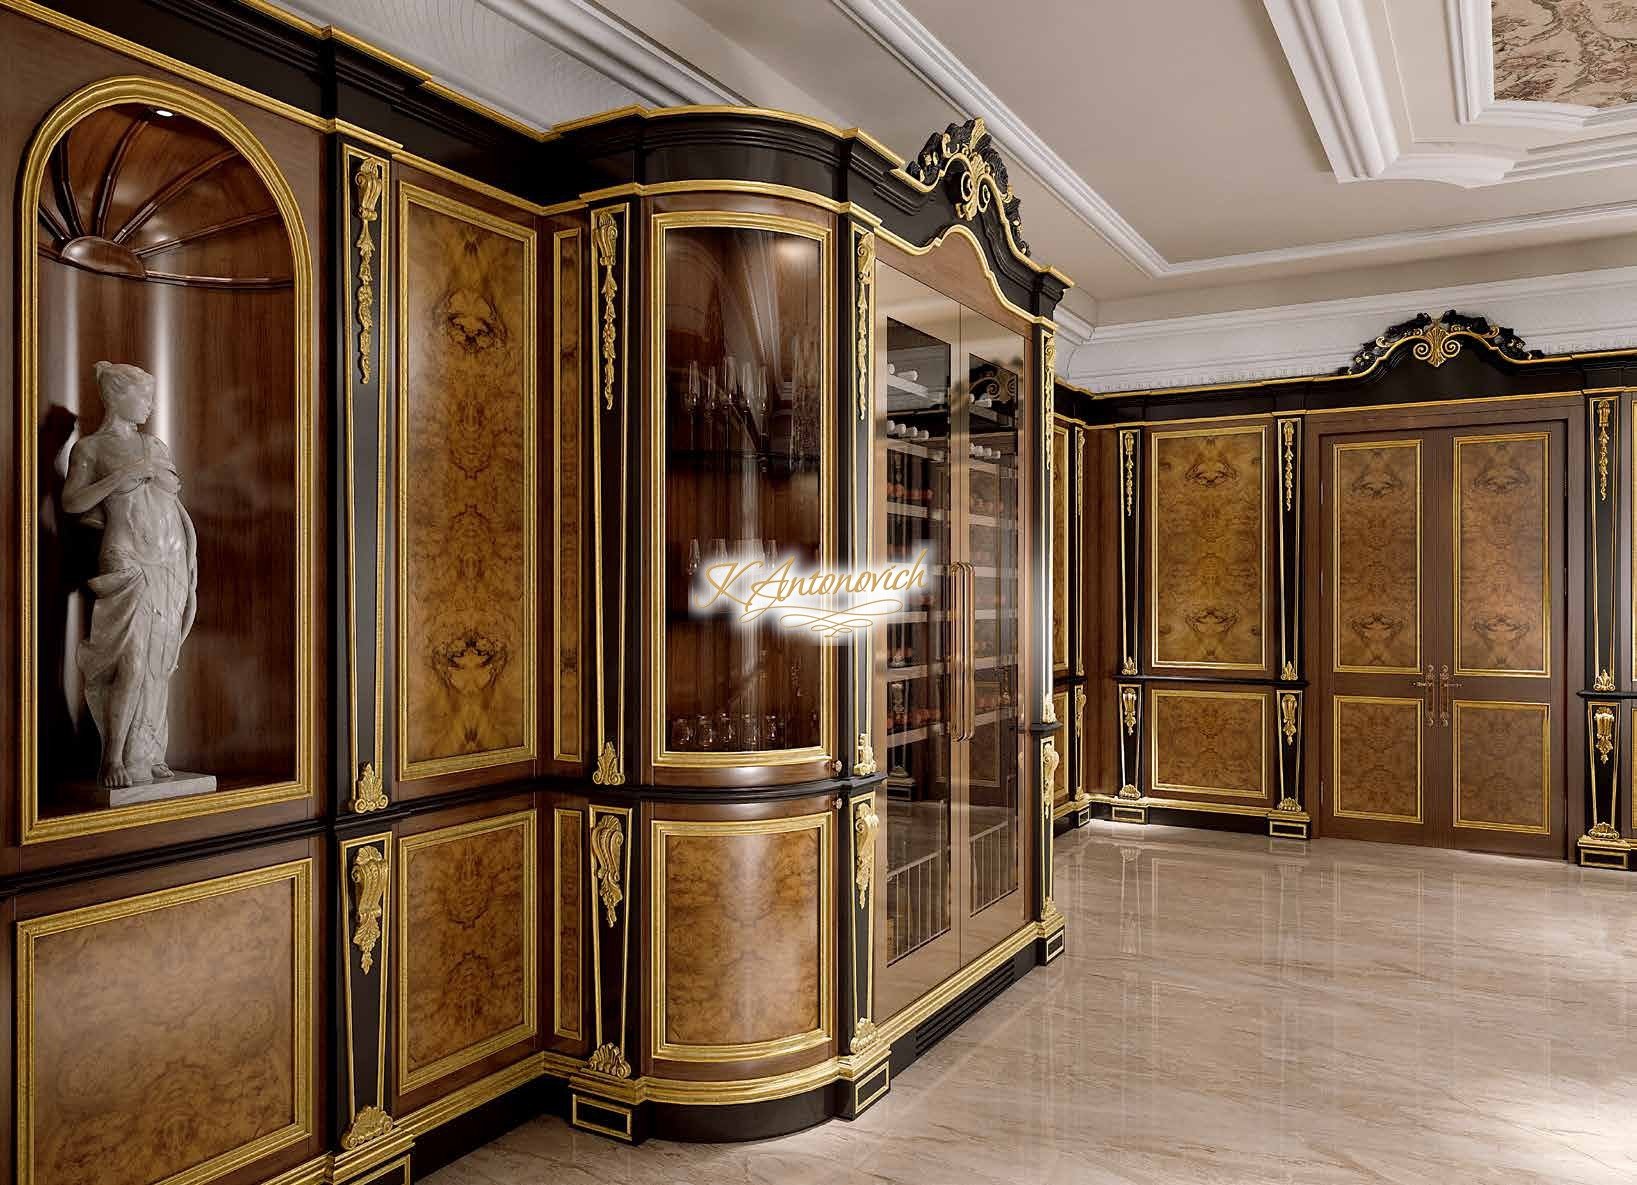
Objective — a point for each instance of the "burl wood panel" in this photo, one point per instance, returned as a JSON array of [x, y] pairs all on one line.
[[1376, 538], [567, 1000], [1060, 780], [468, 945], [1377, 745], [743, 941], [1210, 742], [466, 525], [1061, 516], [165, 1039], [1208, 555], [1502, 772], [567, 605], [1502, 622]]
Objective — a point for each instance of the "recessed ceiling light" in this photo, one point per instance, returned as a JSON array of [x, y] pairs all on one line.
[[163, 112]]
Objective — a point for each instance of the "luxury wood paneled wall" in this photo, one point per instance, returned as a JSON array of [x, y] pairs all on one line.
[[407, 369], [1391, 603]]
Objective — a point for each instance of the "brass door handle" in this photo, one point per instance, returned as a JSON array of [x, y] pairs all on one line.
[[1444, 684], [971, 647], [1429, 688]]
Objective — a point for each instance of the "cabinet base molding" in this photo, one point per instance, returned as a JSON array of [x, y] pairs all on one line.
[[1603, 853], [1285, 824]]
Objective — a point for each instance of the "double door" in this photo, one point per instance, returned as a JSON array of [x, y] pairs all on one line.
[[1443, 593], [951, 388]]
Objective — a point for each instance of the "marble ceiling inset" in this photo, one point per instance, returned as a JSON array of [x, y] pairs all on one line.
[[1582, 52]]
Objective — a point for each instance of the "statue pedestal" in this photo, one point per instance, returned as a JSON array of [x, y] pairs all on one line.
[[181, 784]]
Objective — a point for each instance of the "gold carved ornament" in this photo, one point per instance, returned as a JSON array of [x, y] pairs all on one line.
[[1128, 709], [1049, 761], [865, 268], [610, 1061], [1288, 430], [864, 763], [1603, 732], [1048, 710], [608, 772], [605, 233], [1289, 707], [1603, 411], [1604, 681], [370, 180], [1288, 671], [607, 844], [1048, 389], [1128, 441], [865, 824], [369, 877], [368, 1125], [368, 795]]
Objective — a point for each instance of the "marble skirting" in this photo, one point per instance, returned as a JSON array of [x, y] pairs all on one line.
[[1233, 1009]]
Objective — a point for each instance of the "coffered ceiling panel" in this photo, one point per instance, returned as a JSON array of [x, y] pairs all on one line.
[[1579, 52]]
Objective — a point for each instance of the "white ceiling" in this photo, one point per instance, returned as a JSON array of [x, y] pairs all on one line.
[[1171, 157]]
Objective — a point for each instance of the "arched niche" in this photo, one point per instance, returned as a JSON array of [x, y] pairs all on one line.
[[164, 235]]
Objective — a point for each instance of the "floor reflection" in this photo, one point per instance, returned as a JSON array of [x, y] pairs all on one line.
[[1235, 1009]]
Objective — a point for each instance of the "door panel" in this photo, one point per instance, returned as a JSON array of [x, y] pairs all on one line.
[[1440, 547], [1502, 594], [1378, 772]]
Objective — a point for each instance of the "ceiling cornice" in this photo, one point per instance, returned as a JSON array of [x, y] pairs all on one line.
[[606, 43], [1347, 81]]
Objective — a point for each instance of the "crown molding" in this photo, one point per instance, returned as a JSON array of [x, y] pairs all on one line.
[[1559, 314], [1334, 56], [622, 52]]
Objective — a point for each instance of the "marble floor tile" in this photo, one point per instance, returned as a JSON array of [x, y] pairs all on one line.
[[1233, 1010]]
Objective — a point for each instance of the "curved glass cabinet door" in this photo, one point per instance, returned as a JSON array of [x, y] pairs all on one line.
[[742, 432]]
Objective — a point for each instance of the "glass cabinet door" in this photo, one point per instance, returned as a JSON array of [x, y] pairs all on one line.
[[916, 682], [741, 421], [994, 386]]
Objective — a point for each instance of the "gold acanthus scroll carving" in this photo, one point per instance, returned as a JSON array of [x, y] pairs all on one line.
[[607, 845], [369, 878], [1048, 710], [865, 824], [370, 181], [608, 772], [368, 795], [1604, 409], [1049, 761], [864, 763], [1048, 387], [368, 1125], [1289, 708], [608, 1060], [1603, 732], [1288, 431], [605, 233], [1128, 442], [1128, 709], [865, 270]]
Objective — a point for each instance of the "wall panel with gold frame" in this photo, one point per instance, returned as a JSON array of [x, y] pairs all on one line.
[[169, 1034], [465, 473], [1210, 743]]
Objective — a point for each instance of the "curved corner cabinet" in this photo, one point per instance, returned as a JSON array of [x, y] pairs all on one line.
[[816, 823]]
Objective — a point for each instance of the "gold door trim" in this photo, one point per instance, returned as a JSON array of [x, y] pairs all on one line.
[[829, 744], [299, 873], [1335, 558], [408, 846], [1545, 712], [1154, 529], [1545, 669], [111, 92], [1335, 758], [1156, 694], [412, 195], [661, 829]]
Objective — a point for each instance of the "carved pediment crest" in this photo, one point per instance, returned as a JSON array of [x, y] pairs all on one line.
[[1436, 342], [980, 183]]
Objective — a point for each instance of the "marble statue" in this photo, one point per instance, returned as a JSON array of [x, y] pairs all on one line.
[[123, 482]]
